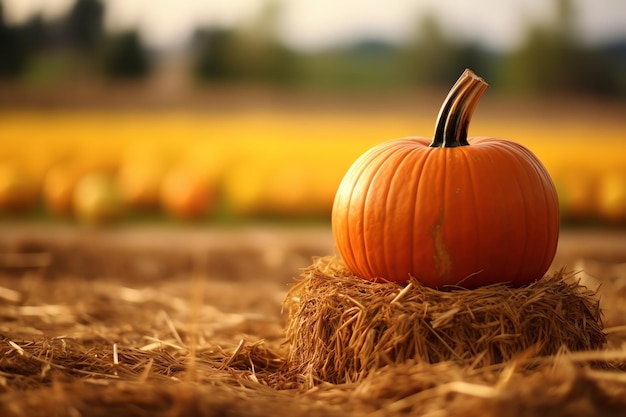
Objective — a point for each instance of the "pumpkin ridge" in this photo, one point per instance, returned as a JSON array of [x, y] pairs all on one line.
[[367, 178], [397, 154], [375, 164], [348, 183], [493, 157], [531, 164], [515, 196], [419, 190], [444, 258], [390, 263], [414, 198], [477, 236], [522, 183]]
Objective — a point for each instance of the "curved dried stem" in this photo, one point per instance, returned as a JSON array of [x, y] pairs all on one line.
[[456, 111]]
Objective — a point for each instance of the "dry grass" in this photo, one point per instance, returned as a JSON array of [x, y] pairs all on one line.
[[342, 327], [191, 344]]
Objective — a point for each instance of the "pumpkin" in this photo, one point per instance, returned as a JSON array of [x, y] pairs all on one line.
[[96, 199], [451, 211], [17, 190], [185, 194], [611, 203]]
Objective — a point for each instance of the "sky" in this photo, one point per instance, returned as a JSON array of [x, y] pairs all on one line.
[[315, 24]]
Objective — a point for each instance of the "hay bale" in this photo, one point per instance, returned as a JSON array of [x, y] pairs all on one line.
[[341, 327]]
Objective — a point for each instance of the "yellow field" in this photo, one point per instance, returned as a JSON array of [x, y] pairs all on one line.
[[290, 162]]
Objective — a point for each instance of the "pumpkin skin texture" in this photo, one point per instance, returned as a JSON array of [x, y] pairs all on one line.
[[449, 216]]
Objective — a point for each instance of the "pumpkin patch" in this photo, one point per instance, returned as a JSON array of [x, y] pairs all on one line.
[[449, 211]]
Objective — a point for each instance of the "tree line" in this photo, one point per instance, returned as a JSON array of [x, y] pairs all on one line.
[[552, 58], [78, 40]]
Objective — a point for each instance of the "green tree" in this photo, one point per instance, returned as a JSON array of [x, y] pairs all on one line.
[[126, 57], [431, 54], [216, 57], [552, 60], [437, 60], [85, 24], [34, 34], [269, 59], [252, 53], [13, 54]]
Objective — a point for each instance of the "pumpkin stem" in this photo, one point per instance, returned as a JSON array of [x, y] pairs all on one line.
[[456, 111]]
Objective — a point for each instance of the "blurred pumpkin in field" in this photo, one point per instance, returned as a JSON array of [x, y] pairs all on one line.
[[185, 194], [287, 190], [96, 199], [323, 188], [140, 182], [17, 192], [299, 189], [611, 204], [244, 187], [577, 190], [58, 187]]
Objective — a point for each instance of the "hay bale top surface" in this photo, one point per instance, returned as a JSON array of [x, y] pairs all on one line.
[[342, 327]]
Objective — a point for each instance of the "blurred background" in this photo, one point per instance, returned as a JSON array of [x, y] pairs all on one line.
[[115, 111]]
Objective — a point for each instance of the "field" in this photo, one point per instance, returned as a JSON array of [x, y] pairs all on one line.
[[286, 156], [164, 322]]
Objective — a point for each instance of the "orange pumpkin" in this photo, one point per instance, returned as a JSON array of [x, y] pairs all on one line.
[[185, 194], [451, 211]]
